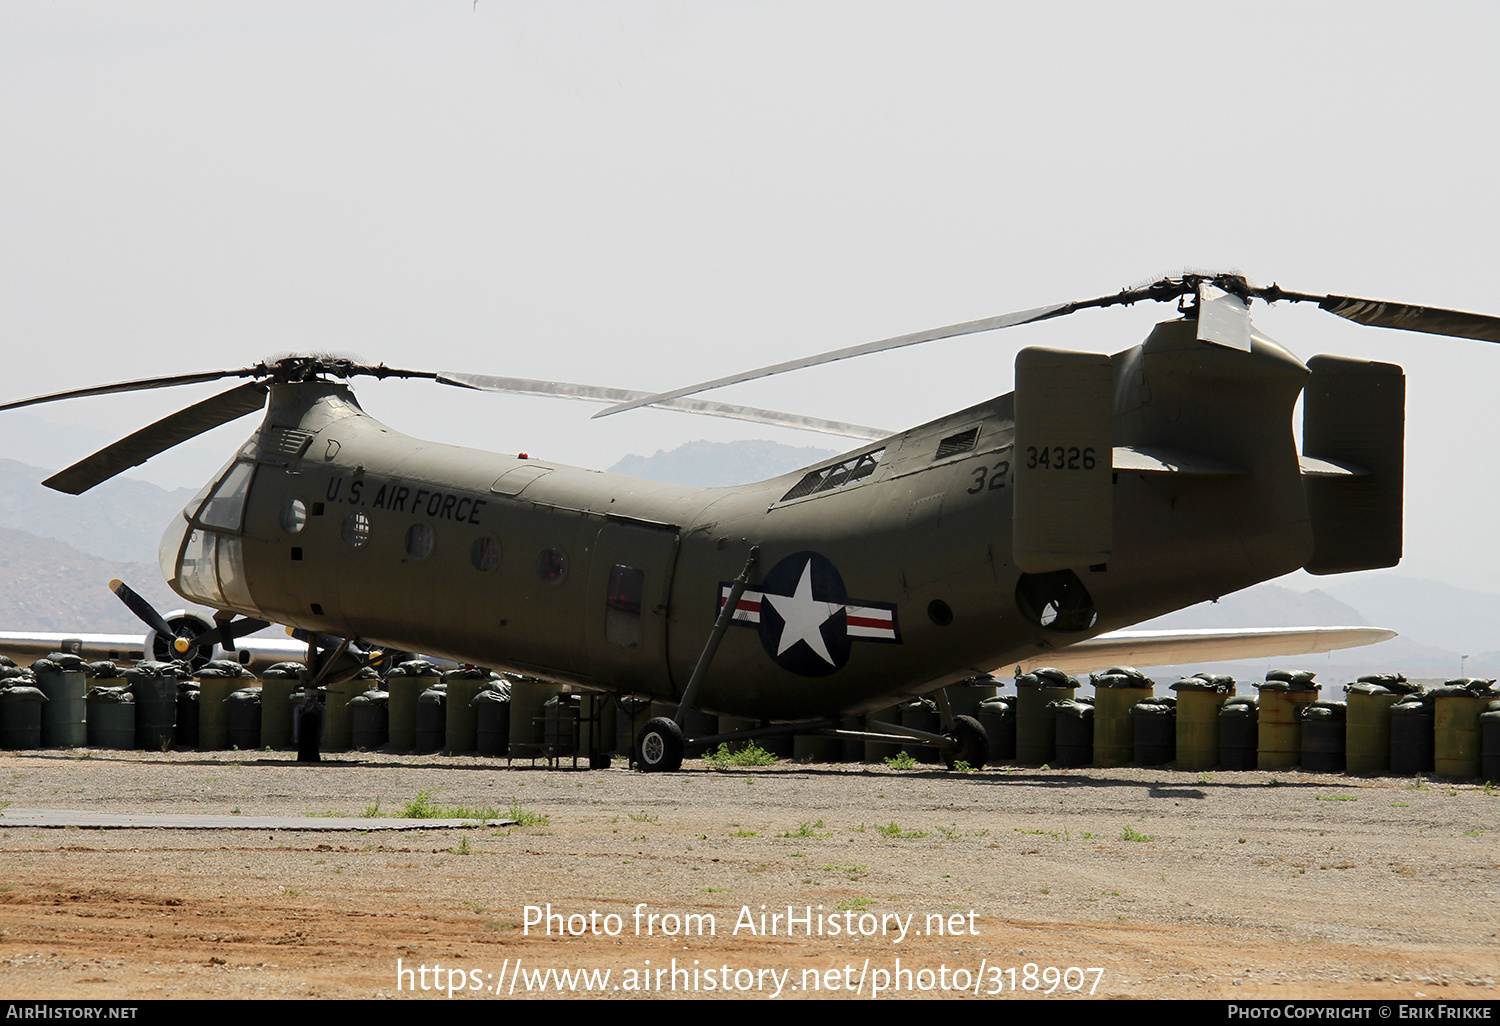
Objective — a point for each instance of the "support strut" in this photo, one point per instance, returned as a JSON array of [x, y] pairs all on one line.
[[726, 617]]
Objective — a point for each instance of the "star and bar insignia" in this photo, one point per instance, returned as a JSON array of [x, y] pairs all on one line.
[[806, 620]]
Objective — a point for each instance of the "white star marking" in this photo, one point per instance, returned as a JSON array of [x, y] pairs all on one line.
[[803, 616]]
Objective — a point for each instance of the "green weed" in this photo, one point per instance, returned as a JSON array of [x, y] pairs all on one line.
[[806, 830], [852, 872], [748, 754], [423, 807], [525, 817], [1132, 834], [420, 807], [901, 761], [892, 829]]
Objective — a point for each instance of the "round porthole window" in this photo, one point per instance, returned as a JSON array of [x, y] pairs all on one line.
[[419, 538], [552, 565], [294, 516], [355, 530], [484, 554]]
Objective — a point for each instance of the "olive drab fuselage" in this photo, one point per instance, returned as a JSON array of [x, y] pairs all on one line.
[[883, 573]]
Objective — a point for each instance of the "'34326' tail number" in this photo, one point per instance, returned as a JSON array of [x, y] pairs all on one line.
[[1060, 457]]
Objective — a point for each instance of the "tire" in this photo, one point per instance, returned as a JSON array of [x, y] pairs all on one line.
[[598, 760], [971, 744], [659, 746]]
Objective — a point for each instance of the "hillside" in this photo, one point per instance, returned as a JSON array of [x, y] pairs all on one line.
[[47, 586]]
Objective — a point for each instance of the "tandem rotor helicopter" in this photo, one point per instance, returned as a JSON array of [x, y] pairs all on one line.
[[1026, 530]]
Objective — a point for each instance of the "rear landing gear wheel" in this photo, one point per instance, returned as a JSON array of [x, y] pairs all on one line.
[[972, 744], [659, 746]]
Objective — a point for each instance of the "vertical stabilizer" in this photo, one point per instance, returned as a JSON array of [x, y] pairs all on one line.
[[1065, 423], [1353, 435]]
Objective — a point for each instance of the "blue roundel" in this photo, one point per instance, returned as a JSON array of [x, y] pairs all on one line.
[[803, 622]]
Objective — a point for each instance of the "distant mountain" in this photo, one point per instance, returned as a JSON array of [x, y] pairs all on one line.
[[1264, 605], [716, 464], [1437, 624], [121, 519], [48, 586], [1436, 613]]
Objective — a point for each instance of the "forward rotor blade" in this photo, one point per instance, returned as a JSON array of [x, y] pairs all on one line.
[[136, 449], [602, 394], [133, 386], [1010, 320]]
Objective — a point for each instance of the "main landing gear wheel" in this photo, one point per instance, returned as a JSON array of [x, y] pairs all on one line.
[[659, 746], [971, 744]]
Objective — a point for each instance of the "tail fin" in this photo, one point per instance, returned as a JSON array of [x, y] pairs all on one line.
[[1353, 444]]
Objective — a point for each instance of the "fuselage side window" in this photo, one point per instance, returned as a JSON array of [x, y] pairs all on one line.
[[226, 506], [622, 607]]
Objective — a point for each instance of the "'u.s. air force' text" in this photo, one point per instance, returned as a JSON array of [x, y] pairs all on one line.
[[403, 498], [806, 921]]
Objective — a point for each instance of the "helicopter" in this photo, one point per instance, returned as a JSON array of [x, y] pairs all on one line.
[[1029, 529]]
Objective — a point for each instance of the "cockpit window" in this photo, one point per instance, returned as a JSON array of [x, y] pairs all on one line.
[[226, 506]]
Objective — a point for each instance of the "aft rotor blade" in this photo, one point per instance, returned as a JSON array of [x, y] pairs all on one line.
[[1375, 313], [1430, 319], [1010, 320], [603, 394], [133, 386], [136, 449]]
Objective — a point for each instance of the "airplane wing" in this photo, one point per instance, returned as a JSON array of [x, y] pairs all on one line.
[[25, 647], [1170, 648]]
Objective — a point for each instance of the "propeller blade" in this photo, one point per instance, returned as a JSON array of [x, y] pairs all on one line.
[[226, 633], [134, 386], [602, 394], [317, 640], [1010, 320], [142, 609], [136, 449]]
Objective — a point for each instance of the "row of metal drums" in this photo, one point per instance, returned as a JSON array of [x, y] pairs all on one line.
[[1383, 726], [61, 702]]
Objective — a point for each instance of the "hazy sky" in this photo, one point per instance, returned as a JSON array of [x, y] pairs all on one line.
[[646, 194]]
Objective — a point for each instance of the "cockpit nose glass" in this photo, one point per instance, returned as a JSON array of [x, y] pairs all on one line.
[[197, 572], [171, 547], [201, 554]]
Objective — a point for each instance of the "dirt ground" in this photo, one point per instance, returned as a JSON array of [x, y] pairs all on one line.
[[1102, 883]]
